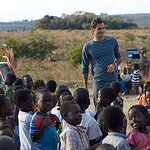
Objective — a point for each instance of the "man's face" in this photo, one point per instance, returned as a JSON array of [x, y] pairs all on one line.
[[99, 30]]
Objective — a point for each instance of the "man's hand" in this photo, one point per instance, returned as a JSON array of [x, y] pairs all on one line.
[[111, 68]]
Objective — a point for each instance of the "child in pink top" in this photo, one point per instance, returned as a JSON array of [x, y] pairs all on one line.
[[139, 137]]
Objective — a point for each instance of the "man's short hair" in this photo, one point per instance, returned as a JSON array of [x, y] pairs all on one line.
[[96, 21]]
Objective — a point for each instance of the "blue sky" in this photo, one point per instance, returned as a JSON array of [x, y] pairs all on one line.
[[12, 10]]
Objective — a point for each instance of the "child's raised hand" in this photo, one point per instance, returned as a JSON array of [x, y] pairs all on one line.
[[45, 122]]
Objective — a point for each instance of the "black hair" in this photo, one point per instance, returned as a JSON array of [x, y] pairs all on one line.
[[38, 83], [51, 85], [81, 97], [148, 89], [10, 79], [18, 82], [116, 86], [113, 117], [18, 87], [108, 95], [146, 85], [136, 67], [40, 91], [65, 108], [2, 100], [139, 108], [20, 96], [24, 78], [66, 98]]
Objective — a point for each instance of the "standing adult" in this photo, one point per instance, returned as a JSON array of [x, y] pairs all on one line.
[[102, 52]]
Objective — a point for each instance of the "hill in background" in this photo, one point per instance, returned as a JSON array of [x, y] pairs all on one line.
[[141, 19]]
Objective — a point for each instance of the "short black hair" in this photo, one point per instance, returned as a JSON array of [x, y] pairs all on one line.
[[116, 86], [51, 85], [2, 100], [65, 108], [18, 82], [146, 85], [20, 96], [113, 117], [136, 66], [108, 95], [81, 96], [38, 83], [66, 98], [40, 91], [139, 108], [10, 79]]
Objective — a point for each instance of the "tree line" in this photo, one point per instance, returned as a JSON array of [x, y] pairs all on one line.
[[81, 22]]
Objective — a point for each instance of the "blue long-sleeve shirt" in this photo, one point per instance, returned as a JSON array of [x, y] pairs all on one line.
[[100, 54]]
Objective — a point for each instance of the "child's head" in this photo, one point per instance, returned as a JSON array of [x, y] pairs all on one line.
[[106, 96], [138, 115], [5, 106], [71, 113], [18, 82], [66, 98], [146, 85], [27, 81], [116, 86], [6, 129], [51, 86], [81, 97], [44, 100], [61, 92], [37, 84], [136, 67], [23, 99], [147, 95], [7, 143], [10, 79], [110, 114]]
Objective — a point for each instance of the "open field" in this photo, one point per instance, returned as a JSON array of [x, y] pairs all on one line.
[[66, 40]]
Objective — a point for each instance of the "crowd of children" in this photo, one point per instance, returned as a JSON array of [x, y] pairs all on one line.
[[35, 115]]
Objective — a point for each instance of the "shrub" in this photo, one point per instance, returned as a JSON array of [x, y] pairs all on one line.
[[36, 47], [74, 57]]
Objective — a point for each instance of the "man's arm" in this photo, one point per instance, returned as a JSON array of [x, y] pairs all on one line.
[[85, 80]]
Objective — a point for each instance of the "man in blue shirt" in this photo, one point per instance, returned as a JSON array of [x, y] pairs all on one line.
[[102, 52]]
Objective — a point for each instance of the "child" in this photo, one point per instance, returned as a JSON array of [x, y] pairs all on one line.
[[37, 84], [81, 97], [114, 137], [24, 100], [118, 101], [105, 147], [9, 80], [5, 111], [139, 137], [73, 137], [104, 100], [43, 125], [59, 92], [141, 98], [135, 78], [51, 85], [27, 82]]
